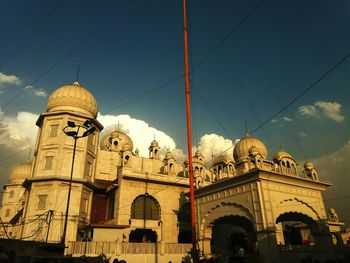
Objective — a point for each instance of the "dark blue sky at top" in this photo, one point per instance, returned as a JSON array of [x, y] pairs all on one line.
[[280, 50]]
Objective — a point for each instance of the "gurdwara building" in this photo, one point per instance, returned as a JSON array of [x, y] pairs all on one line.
[[132, 207]]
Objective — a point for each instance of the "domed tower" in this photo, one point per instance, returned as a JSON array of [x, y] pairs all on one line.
[[169, 163], [13, 198], [119, 142], [310, 171], [199, 170], [285, 163], [52, 163], [223, 167], [154, 150], [250, 153]]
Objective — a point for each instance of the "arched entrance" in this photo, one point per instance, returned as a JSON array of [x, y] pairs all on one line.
[[298, 229], [230, 233]]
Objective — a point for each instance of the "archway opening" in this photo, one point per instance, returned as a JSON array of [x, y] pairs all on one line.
[[142, 235], [297, 229], [230, 234]]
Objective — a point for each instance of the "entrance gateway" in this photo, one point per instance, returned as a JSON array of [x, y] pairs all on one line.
[[265, 210]]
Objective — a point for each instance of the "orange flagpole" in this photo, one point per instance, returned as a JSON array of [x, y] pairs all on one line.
[[189, 138]]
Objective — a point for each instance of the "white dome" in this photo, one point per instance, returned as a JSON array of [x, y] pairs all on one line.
[[241, 150], [20, 172], [117, 141], [73, 97]]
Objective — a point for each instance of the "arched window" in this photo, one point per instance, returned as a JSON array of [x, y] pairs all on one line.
[[145, 207]]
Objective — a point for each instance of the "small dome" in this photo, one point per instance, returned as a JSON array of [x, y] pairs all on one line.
[[73, 97], [241, 150], [223, 159], [309, 165], [154, 143], [20, 172], [117, 141], [169, 155], [282, 154]]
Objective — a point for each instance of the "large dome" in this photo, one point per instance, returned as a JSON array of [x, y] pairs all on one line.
[[20, 172], [73, 97], [241, 150], [116, 141]]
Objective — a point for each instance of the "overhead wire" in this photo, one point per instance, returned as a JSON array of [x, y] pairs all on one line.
[[210, 109], [324, 75], [31, 33], [291, 102], [227, 36], [268, 79], [234, 68], [70, 52]]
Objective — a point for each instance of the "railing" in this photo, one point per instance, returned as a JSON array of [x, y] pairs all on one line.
[[113, 248]]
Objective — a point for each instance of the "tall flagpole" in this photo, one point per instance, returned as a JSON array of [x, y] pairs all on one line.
[[189, 138]]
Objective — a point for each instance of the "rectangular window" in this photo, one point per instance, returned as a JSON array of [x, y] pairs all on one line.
[[42, 202], [12, 193], [48, 162], [7, 212], [53, 130]]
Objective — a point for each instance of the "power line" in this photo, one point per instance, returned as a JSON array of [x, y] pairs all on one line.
[[268, 79], [76, 47], [20, 44], [233, 67], [210, 110], [228, 35], [297, 97], [102, 25], [324, 75], [145, 93]]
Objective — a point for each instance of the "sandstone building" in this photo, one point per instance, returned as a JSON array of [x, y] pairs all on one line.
[[125, 205]]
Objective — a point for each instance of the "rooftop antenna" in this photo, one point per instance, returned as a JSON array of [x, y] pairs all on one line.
[[154, 136], [77, 78], [246, 127]]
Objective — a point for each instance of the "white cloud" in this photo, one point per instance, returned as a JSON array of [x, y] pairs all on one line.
[[287, 119], [36, 92], [141, 133], [18, 132], [9, 79], [273, 120], [319, 109], [212, 145]]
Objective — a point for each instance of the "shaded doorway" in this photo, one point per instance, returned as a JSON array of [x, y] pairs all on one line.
[[298, 229], [184, 223], [230, 233], [142, 235]]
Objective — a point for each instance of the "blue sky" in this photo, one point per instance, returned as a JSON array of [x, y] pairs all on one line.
[[281, 49]]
